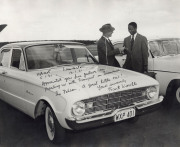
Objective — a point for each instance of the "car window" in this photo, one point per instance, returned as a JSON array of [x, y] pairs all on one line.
[[17, 60], [178, 44], [93, 49], [4, 57], [170, 47], [155, 48], [44, 56]]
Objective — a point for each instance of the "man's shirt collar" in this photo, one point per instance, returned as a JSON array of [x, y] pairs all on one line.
[[106, 37], [134, 36]]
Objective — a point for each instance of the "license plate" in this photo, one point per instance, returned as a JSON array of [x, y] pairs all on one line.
[[124, 114]]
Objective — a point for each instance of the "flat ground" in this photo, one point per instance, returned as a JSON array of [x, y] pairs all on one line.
[[160, 128]]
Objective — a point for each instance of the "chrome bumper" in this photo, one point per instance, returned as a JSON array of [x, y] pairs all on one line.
[[105, 114]]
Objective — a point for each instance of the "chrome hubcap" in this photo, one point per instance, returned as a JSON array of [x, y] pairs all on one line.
[[178, 94]]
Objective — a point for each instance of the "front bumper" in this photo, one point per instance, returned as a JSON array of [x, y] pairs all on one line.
[[141, 108]]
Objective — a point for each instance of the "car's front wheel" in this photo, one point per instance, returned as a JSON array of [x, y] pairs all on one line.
[[54, 130]]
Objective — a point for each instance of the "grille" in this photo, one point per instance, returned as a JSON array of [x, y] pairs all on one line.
[[115, 100]]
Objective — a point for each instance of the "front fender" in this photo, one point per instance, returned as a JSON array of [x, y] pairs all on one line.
[[58, 104]]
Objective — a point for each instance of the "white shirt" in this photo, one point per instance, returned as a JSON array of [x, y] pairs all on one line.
[[106, 38], [106, 48], [134, 36]]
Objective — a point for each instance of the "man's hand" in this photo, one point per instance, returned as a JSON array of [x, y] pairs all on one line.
[[121, 52], [126, 51]]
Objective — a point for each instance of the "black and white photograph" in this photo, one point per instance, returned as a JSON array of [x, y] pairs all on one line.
[[90, 73]]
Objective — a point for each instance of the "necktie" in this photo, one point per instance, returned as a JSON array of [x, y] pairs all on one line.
[[109, 41], [132, 41]]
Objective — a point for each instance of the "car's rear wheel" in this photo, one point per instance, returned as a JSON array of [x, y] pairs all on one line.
[[54, 130]]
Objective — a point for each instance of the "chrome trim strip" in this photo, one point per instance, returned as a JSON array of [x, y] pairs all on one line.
[[164, 71], [149, 103], [101, 117], [22, 99]]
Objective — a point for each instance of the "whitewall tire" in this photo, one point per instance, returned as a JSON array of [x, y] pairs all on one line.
[[178, 94], [54, 130]]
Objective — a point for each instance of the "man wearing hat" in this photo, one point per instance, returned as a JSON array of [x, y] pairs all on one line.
[[106, 51]]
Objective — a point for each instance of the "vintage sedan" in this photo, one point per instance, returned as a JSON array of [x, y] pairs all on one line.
[[65, 83], [164, 60]]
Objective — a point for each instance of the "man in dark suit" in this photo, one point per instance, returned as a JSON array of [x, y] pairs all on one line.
[[136, 49], [106, 51]]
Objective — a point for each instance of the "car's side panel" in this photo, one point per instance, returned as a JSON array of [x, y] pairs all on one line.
[[2, 85], [164, 74], [164, 79], [18, 91], [35, 93], [13, 88]]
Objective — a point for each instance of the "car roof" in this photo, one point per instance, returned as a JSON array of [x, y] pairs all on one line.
[[158, 39], [31, 43], [164, 39]]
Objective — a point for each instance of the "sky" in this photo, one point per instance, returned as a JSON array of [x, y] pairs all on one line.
[[81, 19]]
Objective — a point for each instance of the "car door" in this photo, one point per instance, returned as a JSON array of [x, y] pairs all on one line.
[[4, 65], [13, 79], [164, 51]]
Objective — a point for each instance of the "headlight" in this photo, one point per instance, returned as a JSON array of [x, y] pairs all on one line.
[[151, 92], [78, 108]]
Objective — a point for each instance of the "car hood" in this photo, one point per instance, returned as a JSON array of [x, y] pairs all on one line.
[[170, 63], [85, 81]]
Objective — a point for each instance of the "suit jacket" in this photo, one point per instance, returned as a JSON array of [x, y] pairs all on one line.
[[137, 58], [106, 52]]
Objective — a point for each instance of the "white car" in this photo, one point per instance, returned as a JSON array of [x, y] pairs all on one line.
[[64, 82], [164, 60]]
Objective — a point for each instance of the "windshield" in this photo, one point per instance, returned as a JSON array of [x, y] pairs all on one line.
[[165, 47], [45, 56]]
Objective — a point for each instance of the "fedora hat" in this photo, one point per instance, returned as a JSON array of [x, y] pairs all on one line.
[[106, 28]]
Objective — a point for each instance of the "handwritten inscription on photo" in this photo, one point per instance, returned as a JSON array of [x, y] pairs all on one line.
[[77, 77]]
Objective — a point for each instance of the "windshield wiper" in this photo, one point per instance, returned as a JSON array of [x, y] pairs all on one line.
[[84, 63], [62, 65]]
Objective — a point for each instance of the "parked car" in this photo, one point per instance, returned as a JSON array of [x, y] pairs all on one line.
[[65, 83], [164, 60]]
